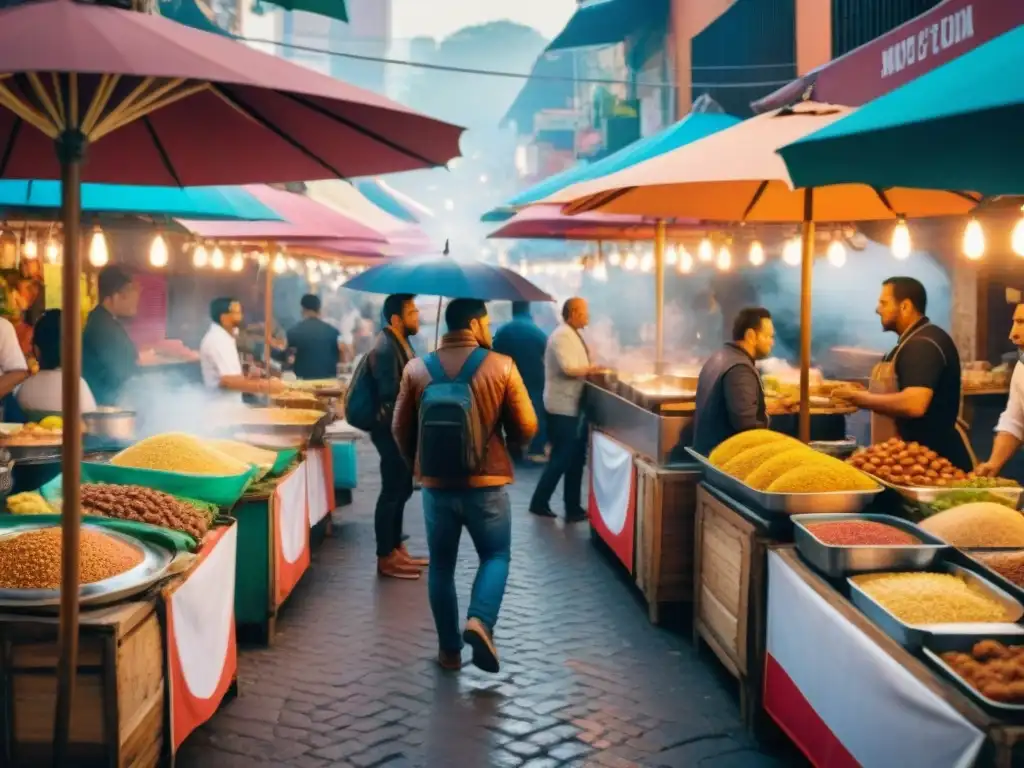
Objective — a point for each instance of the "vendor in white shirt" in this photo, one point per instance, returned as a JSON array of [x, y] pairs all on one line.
[[41, 394], [218, 354], [1010, 428]]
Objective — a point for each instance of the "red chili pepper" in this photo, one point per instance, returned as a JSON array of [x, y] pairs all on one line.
[[861, 532]]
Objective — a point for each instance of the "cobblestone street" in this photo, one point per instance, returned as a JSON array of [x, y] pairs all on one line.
[[585, 679]]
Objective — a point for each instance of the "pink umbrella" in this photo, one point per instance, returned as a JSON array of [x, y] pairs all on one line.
[[189, 108], [389, 249], [304, 219], [547, 222]]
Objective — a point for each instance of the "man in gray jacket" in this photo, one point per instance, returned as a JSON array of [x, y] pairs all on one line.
[[730, 395]]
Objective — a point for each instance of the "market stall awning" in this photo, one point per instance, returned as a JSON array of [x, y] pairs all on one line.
[[604, 22], [332, 9], [226, 203], [694, 126], [192, 13], [300, 219], [948, 30], [547, 222], [349, 201], [374, 191], [957, 127]]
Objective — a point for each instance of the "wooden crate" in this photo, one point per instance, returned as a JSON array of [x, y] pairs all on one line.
[[729, 603], [118, 717], [666, 503]]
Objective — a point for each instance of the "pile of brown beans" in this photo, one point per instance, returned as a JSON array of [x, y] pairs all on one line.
[[902, 463], [31, 560]]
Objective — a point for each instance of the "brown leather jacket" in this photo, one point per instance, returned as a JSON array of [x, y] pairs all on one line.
[[499, 396]]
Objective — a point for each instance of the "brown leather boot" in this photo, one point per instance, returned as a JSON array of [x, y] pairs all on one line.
[[394, 566], [478, 637], [419, 562]]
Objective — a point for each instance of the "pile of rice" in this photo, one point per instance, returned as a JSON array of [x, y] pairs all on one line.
[[780, 463], [244, 452], [930, 598], [178, 452], [736, 444], [981, 524], [823, 474]]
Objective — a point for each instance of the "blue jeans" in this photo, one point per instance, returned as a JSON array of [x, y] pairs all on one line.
[[487, 514]]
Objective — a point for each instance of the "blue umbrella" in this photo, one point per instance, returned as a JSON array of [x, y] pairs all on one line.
[[695, 126], [216, 203], [449, 278]]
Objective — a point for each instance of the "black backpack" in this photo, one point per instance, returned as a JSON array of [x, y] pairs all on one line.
[[450, 441], [361, 408]]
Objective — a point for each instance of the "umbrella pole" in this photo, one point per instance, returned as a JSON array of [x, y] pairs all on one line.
[[437, 325], [268, 312], [70, 149], [659, 296], [806, 275]]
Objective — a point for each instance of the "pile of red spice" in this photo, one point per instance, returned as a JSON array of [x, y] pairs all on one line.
[[861, 532]]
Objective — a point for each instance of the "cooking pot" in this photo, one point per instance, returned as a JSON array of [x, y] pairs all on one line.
[[113, 423]]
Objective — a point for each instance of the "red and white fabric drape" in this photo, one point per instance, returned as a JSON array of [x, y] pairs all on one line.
[[612, 498]]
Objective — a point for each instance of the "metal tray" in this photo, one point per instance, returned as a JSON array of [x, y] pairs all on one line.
[[837, 561], [34, 454], [912, 636], [833, 502], [938, 644], [155, 563], [928, 495]]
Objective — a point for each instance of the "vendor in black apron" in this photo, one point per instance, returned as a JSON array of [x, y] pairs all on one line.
[[915, 390]]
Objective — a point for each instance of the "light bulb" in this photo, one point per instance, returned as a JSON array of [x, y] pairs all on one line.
[[792, 252], [647, 262], [705, 252], [724, 260], [52, 251], [615, 258], [671, 255], [263, 259], [292, 264], [312, 265], [901, 246], [30, 249], [836, 253], [600, 272], [974, 240], [631, 261], [280, 265], [313, 276], [217, 259], [685, 262], [237, 262], [98, 254], [200, 258], [158, 256], [1017, 239], [756, 253]]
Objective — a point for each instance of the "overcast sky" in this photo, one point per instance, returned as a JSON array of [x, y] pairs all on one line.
[[439, 18]]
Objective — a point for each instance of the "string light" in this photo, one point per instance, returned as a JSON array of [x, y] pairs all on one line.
[[685, 262], [30, 249], [724, 260], [237, 262], [52, 251], [615, 257], [263, 259], [836, 253], [158, 256], [200, 258], [792, 252], [974, 240], [292, 264], [647, 262], [901, 245], [756, 253], [671, 255], [705, 252], [280, 265], [1017, 239], [98, 253], [631, 262], [217, 259], [600, 272]]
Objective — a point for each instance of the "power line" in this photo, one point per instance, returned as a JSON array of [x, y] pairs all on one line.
[[522, 75]]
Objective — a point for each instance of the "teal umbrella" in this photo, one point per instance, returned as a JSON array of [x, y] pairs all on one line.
[[217, 203], [694, 126], [956, 127], [332, 9]]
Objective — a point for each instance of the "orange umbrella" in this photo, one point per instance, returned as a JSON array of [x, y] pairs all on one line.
[[736, 175]]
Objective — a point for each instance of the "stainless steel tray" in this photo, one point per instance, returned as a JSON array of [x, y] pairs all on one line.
[[913, 636], [839, 560], [154, 566], [833, 502], [33, 454], [929, 495], [938, 644]]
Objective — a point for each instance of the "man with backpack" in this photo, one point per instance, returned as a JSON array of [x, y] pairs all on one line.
[[369, 405], [457, 410]]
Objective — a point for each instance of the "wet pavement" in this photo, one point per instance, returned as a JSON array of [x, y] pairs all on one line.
[[585, 679]]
